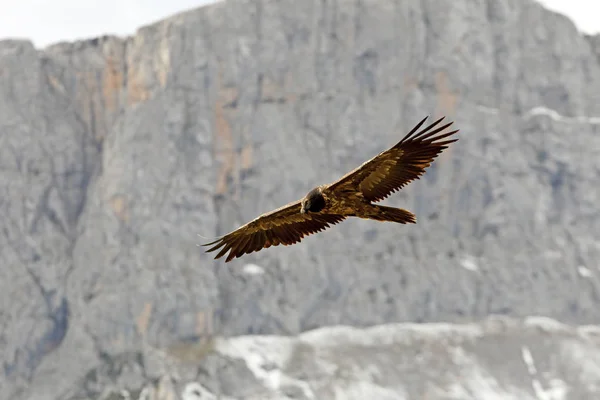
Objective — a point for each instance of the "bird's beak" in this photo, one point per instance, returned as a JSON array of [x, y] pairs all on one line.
[[304, 208]]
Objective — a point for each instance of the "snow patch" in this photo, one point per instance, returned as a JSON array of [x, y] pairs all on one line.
[[546, 324], [195, 391], [473, 379], [269, 358], [584, 361], [265, 356], [468, 263], [547, 112], [558, 388], [590, 331], [583, 271], [253, 269], [385, 335], [553, 114]]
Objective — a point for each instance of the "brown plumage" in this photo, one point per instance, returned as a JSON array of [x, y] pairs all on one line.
[[351, 196]]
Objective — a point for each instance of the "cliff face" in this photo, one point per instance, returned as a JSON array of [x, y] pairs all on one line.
[[116, 153], [499, 358]]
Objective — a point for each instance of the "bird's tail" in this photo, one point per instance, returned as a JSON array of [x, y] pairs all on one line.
[[391, 214]]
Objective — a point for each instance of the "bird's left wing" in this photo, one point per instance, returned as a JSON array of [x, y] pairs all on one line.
[[285, 225], [392, 169]]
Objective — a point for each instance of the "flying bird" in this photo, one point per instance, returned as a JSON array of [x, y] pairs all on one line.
[[352, 195]]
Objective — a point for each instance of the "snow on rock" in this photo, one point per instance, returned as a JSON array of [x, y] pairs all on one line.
[[546, 324], [265, 356], [498, 359], [253, 269], [196, 391], [553, 114], [584, 272], [468, 262]]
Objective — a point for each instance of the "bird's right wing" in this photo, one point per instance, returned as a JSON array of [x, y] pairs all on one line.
[[394, 168], [285, 225]]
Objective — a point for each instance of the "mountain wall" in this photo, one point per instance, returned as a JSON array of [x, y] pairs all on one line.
[[499, 358], [115, 153]]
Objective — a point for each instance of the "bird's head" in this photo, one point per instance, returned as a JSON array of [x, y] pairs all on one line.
[[312, 202], [305, 206]]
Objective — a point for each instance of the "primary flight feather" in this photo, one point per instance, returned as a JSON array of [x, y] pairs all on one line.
[[352, 195]]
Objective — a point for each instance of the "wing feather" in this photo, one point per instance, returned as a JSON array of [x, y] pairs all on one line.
[[394, 168], [285, 225]]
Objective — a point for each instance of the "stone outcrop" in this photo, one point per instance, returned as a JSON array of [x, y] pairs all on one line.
[[499, 358]]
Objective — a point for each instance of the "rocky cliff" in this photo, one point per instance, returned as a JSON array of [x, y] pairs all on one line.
[[117, 152], [499, 358]]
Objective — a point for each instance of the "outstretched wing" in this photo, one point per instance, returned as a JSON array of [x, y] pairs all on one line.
[[285, 225], [392, 169]]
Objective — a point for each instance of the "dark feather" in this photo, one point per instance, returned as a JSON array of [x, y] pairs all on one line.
[[392, 169], [286, 226], [375, 179]]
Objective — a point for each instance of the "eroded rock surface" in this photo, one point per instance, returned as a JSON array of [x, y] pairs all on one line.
[[500, 358]]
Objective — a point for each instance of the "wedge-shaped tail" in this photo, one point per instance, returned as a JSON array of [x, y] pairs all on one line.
[[390, 214]]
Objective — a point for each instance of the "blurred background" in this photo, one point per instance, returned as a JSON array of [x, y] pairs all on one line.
[[129, 128]]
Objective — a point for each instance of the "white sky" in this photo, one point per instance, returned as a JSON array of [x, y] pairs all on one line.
[[49, 21]]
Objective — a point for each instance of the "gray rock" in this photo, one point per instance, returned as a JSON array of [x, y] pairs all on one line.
[[498, 358], [116, 152]]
